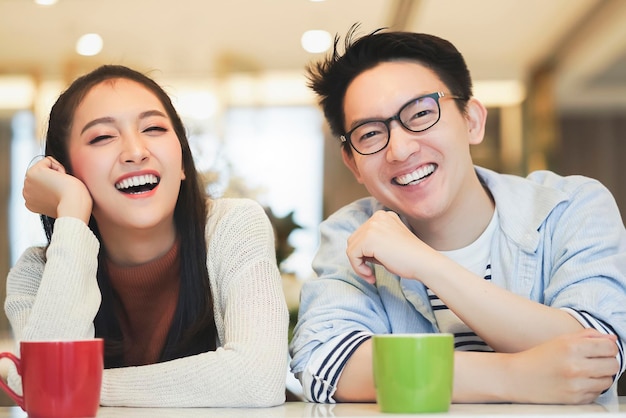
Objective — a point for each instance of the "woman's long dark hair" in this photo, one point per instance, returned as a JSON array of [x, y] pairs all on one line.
[[193, 328]]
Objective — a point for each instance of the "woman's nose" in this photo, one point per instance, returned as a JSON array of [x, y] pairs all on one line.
[[402, 144], [134, 149]]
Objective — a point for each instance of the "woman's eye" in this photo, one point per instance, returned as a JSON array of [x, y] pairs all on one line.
[[100, 138], [155, 129]]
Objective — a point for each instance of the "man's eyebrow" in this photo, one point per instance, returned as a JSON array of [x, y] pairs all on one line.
[[358, 122], [109, 120]]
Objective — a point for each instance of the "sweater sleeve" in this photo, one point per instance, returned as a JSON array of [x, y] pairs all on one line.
[[54, 294], [249, 367]]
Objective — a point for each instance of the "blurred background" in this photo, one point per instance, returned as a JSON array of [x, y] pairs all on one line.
[[552, 73]]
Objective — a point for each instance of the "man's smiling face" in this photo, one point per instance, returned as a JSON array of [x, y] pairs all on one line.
[[419, 175]]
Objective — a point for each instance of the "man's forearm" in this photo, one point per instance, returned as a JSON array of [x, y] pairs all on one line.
[[356, 383]]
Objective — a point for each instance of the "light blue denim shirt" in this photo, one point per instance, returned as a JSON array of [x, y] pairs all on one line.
[[561, 242]]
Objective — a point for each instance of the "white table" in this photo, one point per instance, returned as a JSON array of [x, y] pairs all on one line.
[[302, 409]]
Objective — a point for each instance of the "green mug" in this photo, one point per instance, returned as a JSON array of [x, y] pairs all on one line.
[[413, 372]]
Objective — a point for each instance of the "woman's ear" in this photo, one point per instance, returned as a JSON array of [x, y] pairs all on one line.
[[476, 115], [348, 160]]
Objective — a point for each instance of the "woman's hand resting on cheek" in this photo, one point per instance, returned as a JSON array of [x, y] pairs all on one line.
[[50, 191]]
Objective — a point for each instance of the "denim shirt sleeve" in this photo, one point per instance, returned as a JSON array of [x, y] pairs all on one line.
[[338, 311], [563, 244], [588, 260]]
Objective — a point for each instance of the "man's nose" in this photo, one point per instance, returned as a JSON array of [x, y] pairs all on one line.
[[402, 143]]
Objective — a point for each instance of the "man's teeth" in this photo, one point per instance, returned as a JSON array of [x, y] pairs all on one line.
[[137, 181], [418, 174]]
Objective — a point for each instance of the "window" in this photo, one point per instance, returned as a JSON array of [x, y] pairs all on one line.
[[25, 228], [274, 155]]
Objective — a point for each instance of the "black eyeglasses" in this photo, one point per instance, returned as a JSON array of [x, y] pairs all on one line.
[[417, 115]]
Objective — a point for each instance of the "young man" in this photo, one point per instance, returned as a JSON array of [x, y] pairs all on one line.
[[529, 274]]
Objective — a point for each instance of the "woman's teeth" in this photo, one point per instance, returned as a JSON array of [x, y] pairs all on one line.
[[137, 181]]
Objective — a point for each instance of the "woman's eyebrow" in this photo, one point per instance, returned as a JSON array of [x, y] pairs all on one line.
[[149, 113], [88, 125]]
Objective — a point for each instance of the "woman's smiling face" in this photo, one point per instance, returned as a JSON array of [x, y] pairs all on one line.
[[123, 147]]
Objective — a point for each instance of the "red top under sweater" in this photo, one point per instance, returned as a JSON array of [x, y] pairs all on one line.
[[148, 295]]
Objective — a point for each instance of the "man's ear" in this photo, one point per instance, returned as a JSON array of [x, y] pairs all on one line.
[[476, 115], [348, 160]]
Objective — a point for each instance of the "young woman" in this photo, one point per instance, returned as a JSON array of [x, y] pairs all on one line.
[[185, 291]]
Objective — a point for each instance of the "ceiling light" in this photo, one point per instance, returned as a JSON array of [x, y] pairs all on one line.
[[45, 2], [89, 44], [315, 41]]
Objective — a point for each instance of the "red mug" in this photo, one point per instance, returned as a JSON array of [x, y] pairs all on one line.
[[59, 378]]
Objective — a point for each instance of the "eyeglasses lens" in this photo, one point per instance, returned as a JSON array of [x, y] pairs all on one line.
[[420, 114]]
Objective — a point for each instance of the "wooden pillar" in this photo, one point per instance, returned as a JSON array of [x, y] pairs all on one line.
[[542, 132], [339, 185], [512, 154]]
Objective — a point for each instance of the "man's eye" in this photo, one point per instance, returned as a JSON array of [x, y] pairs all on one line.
[[369, 135], [420, 114]]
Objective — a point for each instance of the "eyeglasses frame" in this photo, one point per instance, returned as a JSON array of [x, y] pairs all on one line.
[[387, 122]]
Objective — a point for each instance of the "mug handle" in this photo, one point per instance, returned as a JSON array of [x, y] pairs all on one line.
[[4, 386]]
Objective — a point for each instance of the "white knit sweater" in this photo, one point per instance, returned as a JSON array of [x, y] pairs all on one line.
[[59, 299]]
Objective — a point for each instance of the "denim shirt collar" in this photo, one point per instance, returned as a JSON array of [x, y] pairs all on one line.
[[522, 205]]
